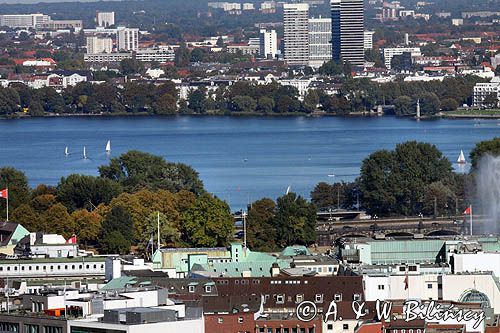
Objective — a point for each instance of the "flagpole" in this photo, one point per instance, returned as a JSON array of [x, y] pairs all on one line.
[[470, 212], [158, 230], [7, 204]]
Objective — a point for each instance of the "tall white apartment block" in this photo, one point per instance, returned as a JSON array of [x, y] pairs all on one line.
[[268, 43], [296, 33], [320, 41], [128, 39], [99, 45], [390, 52], [23, 20], [105, 19], [368, 40]]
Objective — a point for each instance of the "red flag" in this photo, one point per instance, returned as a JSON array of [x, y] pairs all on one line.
[[71, 240], [467, 211], [4, 193]]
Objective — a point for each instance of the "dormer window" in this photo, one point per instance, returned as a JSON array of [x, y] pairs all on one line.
[[191, 289]]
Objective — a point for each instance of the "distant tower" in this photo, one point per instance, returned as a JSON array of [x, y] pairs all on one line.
[[348, 31], [418, 109], [296, 33], [407, 39]]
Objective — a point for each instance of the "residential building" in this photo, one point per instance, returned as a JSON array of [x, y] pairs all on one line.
[[368, 40], [495, 61], [390, 10], [107, 57], [348, 31], [268, 43], [248, 6], [23, 20], [244, 48], [127, 39], [105, 19], [97, 45], [160, 54], [296, 33], [390, 52], [320, 41], [457, 22], [75, 25], [482, 90]]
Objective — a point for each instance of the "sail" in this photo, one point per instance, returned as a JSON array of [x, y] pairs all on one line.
[[108, 146], [461, 157], [84, 152], [66, 151]]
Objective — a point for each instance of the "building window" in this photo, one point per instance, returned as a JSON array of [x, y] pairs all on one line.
[[429, 285], [357, 297], [329, 327], [220, 320], [412, 268], [381, 287], [299, 298], [191, 289], [338, 297], [345, 326], [280, 299], [240, 320], [402, 269], [318, 298], [208, 289]]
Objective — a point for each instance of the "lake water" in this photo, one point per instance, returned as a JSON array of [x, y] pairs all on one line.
[[239, 159]]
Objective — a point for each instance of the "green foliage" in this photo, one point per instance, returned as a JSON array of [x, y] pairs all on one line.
[[57, 220], [19, 191], [261, 229], [207, 223], [449, 104], [135, 170], [131, 66], [395, 182], [403, 105], [295, 221], [482, 148], [197, 100], [9, 101], [243, 104], [334, 196], [79, 191], [116, 231]]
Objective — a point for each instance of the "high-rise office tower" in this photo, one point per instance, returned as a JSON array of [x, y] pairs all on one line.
[[128, 39], [320, 41], [296, 33], [348, 31], [268, 43]]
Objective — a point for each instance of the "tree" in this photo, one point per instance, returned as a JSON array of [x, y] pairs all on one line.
[[335, 195], [449, 104], [265, 104], [439, 199], [197, 100], [166, 104], [395, 182], [27, 217], [330, 68], [182, 56], [9, 101], [89, 225], [43, 202], [19, 191], [80, 191], [491, 147], [116, 231], [311, 100], [261, 231], [135, 170], [243, 104], [207, 223], [169, 234], [57, 220], [429, 103], [131, 66], [295, 221], [403, 105]]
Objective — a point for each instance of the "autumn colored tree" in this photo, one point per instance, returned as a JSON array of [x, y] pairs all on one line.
[[57, 220], [89, 225]]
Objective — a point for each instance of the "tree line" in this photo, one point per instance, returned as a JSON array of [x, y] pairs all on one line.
[[354, 95], [412, 179]]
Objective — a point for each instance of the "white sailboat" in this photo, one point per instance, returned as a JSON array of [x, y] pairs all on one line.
[[288, 189], [108, 147], [66, 151], [331, 175], [84, 153], [461, 158]]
